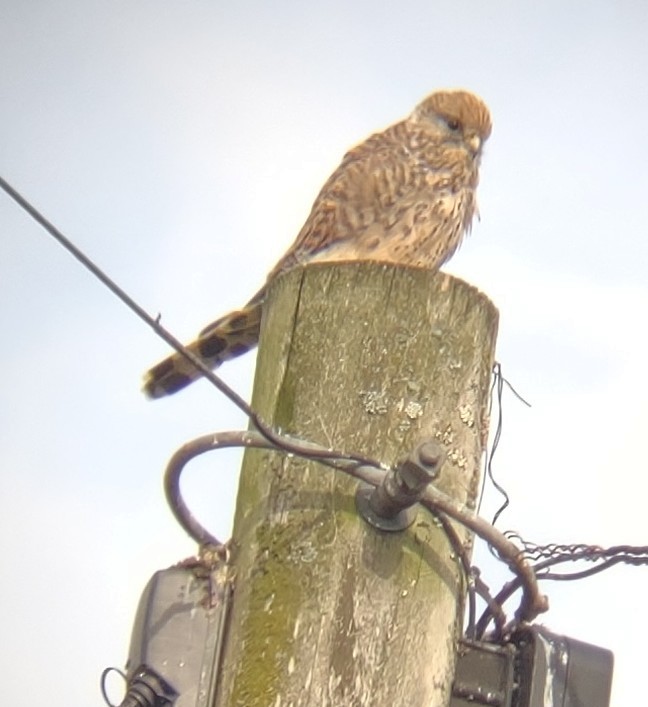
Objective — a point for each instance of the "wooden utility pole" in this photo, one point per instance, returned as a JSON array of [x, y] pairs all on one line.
[[328, 611]]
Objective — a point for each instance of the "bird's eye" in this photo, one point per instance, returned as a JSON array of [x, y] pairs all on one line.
[[453, 124]]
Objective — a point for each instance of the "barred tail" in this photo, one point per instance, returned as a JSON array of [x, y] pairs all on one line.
[[230, 336]]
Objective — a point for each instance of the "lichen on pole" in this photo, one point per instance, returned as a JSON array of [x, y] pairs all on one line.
[[327, 610]]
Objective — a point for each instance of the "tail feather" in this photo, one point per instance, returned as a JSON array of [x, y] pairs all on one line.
[[228, 337]]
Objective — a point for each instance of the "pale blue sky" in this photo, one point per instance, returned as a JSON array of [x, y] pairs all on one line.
[[181, 145]]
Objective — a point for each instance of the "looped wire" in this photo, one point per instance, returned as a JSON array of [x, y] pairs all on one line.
[[102, 683]]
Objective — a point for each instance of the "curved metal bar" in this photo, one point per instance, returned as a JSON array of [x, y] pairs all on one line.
[[220, 440], [178, 462], [533, 603]]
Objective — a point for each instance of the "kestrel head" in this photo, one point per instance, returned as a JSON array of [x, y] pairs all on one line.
[[458, 115]]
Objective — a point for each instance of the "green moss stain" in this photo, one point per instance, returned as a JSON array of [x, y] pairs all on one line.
[[267, 628]]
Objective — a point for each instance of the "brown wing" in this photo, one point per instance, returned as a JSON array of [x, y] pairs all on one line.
[[382, 193]]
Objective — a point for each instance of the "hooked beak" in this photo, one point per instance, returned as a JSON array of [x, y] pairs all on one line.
[[474, 143]]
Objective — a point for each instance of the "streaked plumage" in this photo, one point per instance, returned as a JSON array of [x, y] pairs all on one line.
[[405, 195]]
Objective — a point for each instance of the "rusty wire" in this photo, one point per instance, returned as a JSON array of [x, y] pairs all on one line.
[[554, 553], [546, 556]]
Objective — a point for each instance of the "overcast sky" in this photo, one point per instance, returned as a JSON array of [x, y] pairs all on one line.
[[181, 144]]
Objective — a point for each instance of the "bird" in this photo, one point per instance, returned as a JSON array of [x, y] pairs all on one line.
[[406, 195]]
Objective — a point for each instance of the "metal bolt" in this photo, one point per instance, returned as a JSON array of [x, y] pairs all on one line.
[[430, 454], [421, 467], [389, 506]]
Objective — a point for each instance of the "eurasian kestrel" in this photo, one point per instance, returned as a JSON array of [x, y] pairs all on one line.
[[405, 195]]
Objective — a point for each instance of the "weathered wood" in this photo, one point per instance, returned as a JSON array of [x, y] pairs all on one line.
[[372, 359]]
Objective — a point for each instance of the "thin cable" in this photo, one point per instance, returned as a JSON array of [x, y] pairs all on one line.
[[289, 446], [512, 389], [128, 301], [489, 452], [468, 571], [498, 384]]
